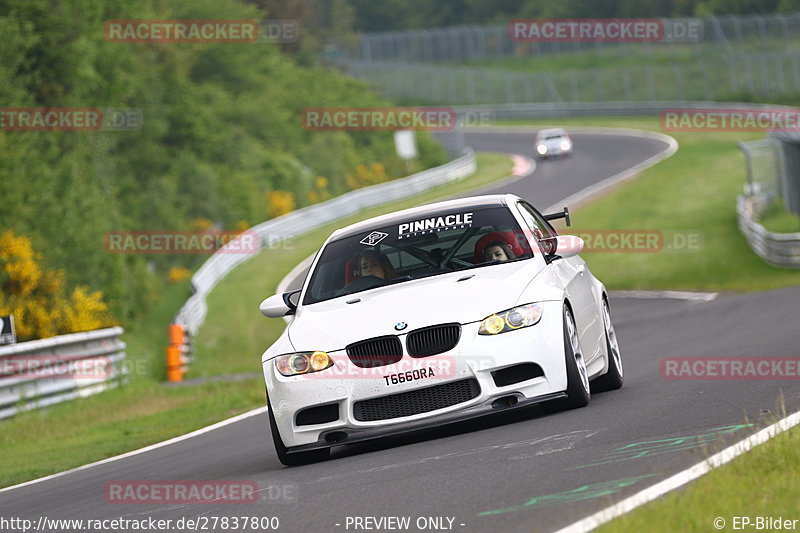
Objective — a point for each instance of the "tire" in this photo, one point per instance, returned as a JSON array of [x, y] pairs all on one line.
[[613, 379], [578, 389], [294, 459]]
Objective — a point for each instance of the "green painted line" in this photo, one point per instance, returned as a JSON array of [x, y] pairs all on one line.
[[585, 492], [650, 448]]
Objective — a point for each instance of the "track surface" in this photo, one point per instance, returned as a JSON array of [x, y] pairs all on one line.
[[531, 470]]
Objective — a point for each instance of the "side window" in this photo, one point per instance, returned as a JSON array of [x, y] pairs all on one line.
[[540, 227]]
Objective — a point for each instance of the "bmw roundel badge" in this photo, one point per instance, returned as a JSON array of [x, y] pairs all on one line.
[[400, 326]]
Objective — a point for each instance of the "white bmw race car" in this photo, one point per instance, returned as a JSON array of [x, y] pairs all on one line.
[[431, 315]]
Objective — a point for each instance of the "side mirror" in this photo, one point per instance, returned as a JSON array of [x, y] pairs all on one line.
[[563, 246], [279, 305]]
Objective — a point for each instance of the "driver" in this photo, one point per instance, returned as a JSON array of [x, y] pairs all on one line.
[[497, 251], [376, 264]]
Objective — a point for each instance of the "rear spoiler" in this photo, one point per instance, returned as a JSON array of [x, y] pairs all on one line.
[[563, 214]]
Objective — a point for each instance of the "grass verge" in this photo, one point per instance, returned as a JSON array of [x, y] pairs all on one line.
[[775, 218], [727, 492], [147, 411]]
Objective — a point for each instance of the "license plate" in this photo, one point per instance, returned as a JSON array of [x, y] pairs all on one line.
[[410, 375]]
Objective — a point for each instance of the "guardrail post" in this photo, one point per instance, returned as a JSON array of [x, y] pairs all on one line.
[[177, 347]]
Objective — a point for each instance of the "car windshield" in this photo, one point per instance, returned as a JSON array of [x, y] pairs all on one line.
[[417, 248]]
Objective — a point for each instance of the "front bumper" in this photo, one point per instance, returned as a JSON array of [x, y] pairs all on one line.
[[338, 437], [474, 357]]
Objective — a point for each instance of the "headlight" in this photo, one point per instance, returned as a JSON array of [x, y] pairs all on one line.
[[566, 145], [542, 149], [516, 318], [295, 364]]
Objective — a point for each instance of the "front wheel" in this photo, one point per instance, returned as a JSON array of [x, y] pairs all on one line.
[[578, 391], [612, 379], [293, 459]]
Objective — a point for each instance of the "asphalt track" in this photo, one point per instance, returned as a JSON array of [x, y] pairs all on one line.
[[524, 471]]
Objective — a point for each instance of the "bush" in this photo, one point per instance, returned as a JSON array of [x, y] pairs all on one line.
[[37, 298]]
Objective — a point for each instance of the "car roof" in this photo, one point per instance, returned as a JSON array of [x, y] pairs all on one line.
[[491, 200], [551, 131]]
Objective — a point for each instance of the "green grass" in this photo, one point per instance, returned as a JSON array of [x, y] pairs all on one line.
[[762, 482], [775, 218], [67, 435], [146, 410], [693, 191]]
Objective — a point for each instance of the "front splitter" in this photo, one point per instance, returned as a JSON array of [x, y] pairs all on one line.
[[363, 434]]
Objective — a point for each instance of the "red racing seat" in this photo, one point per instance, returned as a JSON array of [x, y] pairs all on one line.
[[351, 270]]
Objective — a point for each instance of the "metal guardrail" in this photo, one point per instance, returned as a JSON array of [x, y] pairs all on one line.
[[48, 371], [767, 178], [778, 249], [301, 221]]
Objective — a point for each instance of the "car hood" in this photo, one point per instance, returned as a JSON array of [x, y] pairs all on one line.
[[333, 324]]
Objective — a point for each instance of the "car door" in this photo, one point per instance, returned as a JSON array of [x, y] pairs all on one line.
[[576, 281]]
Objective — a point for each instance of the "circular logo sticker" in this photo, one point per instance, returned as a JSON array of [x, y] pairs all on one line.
[[400, 326]]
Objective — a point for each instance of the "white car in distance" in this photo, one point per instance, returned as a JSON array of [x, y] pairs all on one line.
[[554, 142]]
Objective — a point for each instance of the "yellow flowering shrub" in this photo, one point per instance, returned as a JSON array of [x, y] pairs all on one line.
[[320, 191], [37, 299], [21, 272], [279, 203], [177, 274], [85, 311], [201, 224], [366, 175]]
